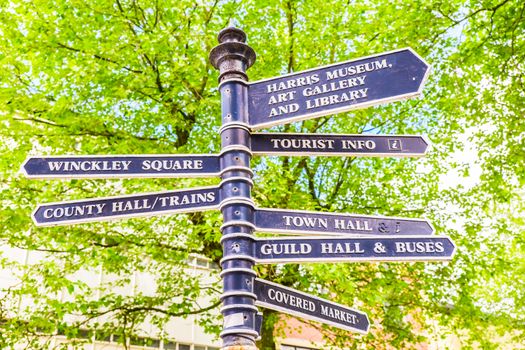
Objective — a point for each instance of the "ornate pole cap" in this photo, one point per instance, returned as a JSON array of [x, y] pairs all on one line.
[[232, 57]]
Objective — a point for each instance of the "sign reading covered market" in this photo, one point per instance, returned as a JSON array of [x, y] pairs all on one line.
[[288, 300], [336, 88]]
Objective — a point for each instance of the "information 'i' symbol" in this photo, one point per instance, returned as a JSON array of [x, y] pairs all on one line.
[[394, 144]]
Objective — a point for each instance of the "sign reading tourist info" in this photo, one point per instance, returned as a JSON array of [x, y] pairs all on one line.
[[303, 222], [340, 87], [122, 166], [338, 145], [276, 297], [99, 209], [309, 249]]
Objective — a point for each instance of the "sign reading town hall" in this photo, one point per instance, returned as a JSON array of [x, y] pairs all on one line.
[[299, 221], [336, 88]]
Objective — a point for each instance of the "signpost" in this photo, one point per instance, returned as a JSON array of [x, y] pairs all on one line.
[[338, 145], [99, 209], [340, 87], [308, 222], [276, 297], [308, 249], [320, 91], [121, 166]]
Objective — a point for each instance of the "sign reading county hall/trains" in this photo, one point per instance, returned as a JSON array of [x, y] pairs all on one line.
[[336, 88], [98, 209]]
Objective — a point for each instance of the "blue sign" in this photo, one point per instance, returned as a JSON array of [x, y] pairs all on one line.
[[338, 145], [336, 88], [74, 212], [122, 166], [308, 249], [302, 222], [276, 297]]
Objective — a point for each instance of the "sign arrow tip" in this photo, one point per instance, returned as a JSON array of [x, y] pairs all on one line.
[[428, 144], [23, 167], [431, 227]]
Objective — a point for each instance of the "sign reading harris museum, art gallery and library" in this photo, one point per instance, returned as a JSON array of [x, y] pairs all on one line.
[[336, 88]]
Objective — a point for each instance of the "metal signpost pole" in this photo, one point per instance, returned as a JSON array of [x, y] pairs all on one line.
[[232, 57]]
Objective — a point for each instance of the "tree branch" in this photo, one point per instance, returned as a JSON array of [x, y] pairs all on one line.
[[100, 58], [290, 22]]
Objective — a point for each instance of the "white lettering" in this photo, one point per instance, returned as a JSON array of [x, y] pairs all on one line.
[[357, 69], [288, 84]]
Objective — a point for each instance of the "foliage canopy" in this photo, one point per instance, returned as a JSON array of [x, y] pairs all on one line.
[[133, 77]]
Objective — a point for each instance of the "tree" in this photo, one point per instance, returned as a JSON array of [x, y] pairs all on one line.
[[133, 77]]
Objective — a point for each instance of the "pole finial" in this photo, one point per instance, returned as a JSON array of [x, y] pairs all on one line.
[[232, 56], [231, 34]]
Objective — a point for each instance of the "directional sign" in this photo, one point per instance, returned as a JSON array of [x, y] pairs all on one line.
[[99, 209], [301, 222], [336, 88], [308, 249], [338, 145], [122, 166], [276, 297]]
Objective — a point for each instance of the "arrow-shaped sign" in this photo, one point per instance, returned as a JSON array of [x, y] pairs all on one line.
[[309, 249], [302, 222], [122, 166], [99, 209], [338, 145], [340, 87], [276, 297]]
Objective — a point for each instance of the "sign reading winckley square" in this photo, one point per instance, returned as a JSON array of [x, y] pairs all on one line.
[[276, 297], [308, 249], [122, 166], [336, 88], [181, 201], [338, 145], [301, 222]]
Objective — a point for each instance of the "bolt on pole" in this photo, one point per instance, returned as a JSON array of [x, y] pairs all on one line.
[[232, 57]]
